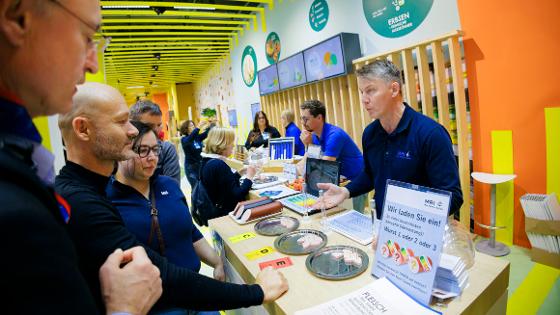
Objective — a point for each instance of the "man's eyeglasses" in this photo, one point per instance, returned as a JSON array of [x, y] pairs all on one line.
[[305, 119], [144, 150], [97, 41]]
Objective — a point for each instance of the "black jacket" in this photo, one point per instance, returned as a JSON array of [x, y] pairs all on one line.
[[39, 267], [98, 229], [222, 185], [258, 139]]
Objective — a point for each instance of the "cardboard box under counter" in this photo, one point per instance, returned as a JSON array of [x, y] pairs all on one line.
[[544, 227]]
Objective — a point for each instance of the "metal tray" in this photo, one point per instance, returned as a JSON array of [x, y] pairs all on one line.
[[324, 265], [273, 226], [288, 243]]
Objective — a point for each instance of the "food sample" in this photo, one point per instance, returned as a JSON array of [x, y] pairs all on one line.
[[287, 223], [309, 241]]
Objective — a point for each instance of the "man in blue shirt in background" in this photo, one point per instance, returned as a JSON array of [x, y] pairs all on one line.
[[401, 144], [336, 144]]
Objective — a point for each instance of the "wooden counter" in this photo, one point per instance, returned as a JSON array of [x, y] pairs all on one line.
[[485, 294]]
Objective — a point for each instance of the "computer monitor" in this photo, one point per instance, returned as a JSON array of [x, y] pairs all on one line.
[[291, 71], [320, 171], [268, 80], [331, 57], [281, 148]]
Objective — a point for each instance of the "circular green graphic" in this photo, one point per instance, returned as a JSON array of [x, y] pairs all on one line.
[[318, 15], [249, 66], [272, 48], [395, 18]]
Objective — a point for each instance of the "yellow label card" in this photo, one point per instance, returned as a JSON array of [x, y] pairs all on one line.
[[259, 253], [241, 237]]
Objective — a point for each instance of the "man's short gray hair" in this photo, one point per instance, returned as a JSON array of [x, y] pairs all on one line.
[[381, 69]]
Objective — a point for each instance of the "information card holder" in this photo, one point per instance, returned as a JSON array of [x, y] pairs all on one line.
[[411, 237]]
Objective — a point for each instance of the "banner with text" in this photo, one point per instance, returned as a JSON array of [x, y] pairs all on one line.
[[411, 237]]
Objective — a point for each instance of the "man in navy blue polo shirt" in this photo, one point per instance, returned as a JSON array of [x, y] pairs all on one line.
[[336, 144], [401, 144]]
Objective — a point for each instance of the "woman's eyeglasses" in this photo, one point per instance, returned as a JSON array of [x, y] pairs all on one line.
[[144, 150]]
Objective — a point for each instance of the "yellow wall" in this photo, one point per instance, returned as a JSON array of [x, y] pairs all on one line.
[[42, 125], [185, 99]]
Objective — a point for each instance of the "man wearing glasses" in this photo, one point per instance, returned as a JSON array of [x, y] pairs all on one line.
[[335, 143], [46, 47]]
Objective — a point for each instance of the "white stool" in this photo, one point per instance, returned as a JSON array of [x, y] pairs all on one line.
[[491, 246]]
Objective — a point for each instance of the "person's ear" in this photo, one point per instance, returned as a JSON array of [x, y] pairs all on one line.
[[15, 16], [395, 89], [82, 128]]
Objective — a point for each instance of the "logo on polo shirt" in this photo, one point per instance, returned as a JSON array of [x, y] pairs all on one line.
[[404, 155], [164, 193]]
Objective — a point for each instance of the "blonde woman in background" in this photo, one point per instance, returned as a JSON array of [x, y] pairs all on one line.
[[287, 118], [221, 184]]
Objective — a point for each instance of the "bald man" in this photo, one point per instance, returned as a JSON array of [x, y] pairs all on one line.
[[97, 134], [46, 47]]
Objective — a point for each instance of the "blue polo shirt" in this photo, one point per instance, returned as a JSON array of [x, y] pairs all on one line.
[[179, 233], [293, 131], [418, 151], [337, 143]]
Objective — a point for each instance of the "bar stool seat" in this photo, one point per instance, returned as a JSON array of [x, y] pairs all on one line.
[[491, 246]]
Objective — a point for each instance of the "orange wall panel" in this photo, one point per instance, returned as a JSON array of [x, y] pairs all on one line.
[[161, 100], [511, 51]]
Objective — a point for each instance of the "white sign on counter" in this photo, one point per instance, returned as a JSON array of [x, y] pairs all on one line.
[[411, 237]]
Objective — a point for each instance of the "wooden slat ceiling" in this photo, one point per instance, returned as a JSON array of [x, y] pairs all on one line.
[[156, 43]]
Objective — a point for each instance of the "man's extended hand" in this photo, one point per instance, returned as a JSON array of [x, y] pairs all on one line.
[[129, 282], [332, 197]]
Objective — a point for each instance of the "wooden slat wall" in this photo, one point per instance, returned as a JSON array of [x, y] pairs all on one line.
[[462, 125], [409, 79], [441, 87], [342, 99], [425, 84]]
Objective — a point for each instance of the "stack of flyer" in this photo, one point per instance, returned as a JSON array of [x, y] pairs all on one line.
[[451, 277], [379, 297], [354, 225], [545, 208]]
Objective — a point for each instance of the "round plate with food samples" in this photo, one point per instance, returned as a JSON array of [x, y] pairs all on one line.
[[300, 242], [337, 262], [276, 225]]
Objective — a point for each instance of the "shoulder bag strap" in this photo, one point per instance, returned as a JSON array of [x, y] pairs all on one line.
[[155, 228]]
